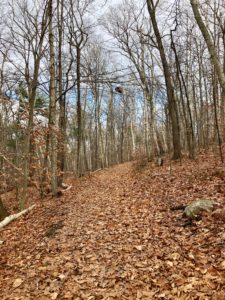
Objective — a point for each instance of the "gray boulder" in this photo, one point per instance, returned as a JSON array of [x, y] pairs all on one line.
[[195, 209]]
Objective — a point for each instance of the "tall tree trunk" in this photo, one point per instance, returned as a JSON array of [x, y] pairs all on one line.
[[208, 40], [29, 139], [62, 102], [79, 113], [187, 116], [172, 105], [52, 105], [3, 211], [215, 104]]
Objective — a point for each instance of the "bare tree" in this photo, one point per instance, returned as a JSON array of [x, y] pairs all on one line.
[[52, 103], [172, 105], [78, 37]]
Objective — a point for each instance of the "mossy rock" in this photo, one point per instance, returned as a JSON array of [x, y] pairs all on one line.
[[195, 209]]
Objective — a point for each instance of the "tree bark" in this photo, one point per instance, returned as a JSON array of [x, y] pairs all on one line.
[[52, 105], [62, 102], [172, 105], [3, 211], [208, 40], [79, 113]]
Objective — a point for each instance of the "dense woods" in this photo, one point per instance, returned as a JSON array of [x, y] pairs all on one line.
[[112, 140], [86, 85]]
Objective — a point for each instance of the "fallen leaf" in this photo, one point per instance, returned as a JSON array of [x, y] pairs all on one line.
[[62, 276], [223, 264], [54, 296], [139, 248], [17, 282]]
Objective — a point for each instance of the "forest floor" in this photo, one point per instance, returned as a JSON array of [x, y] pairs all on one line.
[[114, 236]]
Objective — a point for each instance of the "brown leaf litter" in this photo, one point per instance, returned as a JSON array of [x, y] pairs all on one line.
[[113, 236]]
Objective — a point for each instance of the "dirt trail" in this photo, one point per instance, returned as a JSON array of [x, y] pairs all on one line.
[[113, 237]]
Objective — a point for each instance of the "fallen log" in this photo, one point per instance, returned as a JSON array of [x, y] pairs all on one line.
[[67, 188], [10, 218], [62, 191]]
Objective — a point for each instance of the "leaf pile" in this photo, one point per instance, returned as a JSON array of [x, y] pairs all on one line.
[[114, 236]]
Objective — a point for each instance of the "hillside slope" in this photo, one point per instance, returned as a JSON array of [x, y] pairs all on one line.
[[114, 236]]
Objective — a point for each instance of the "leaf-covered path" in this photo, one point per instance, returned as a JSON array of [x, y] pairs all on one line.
[[113, 236]]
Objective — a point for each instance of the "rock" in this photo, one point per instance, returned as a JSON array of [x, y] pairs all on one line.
[[195, 209]]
